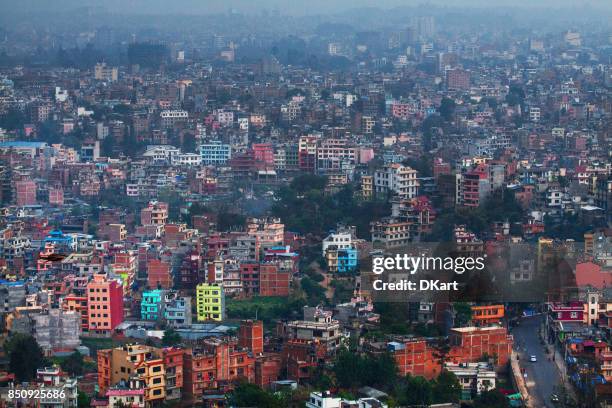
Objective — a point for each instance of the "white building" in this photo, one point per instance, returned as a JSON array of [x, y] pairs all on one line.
[[186, 159], [474, 377], [534, 114], [170, 117], [397, 178], [341, 239]]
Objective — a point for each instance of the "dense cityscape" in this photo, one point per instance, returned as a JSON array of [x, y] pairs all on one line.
[[197, 208]]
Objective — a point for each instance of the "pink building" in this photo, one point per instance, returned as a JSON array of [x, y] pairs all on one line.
[[104, 304]]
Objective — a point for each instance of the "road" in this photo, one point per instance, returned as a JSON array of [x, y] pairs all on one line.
[[542, 376]]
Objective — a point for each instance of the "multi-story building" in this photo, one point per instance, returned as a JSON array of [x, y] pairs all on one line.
[[170, 117], [25, 192], [151, 305], [103, 72], [105, 304], [396, 179], [215, 153], [458, 79], [210, 302], [140, 366], [156, 213]]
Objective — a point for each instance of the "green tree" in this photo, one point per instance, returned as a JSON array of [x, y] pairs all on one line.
[[83, 400], [416, 391], [171, 337], [447, 109], [463, 314], [25, 356], [250, 395], [73, 364], [491, 399], [446, 388]]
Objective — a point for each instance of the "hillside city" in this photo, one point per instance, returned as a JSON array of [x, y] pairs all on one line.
[[190, 208]]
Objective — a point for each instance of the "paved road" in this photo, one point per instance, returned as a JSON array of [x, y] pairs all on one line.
[[543, 375]]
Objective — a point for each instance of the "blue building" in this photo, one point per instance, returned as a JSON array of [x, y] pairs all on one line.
[[151, 305], [59, 239], [215, 153], [177, 309], [347, 260]]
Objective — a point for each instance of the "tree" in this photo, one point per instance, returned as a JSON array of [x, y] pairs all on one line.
[[463, 314], [446, 388], [73, 364], [417, 391], [83, 400], [250, 395], [171, 337], [25, 356], [491, 399], [353, 371], [447, 109]]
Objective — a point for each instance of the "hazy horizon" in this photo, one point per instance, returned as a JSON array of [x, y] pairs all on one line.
[[311, 7]]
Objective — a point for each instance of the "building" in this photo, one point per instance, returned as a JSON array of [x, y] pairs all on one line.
[[159, 274], [250, 336], [341, 260], [395, 178], [215, 153], [341, 239], [171, 117], [105, 304], [274, 279], [176, 309], [25, 192], [487, 315], [210, 302], [319, 327], [135, 365], [103, 72], [156, 213], [151, 305], [474, 378], [458, 79]]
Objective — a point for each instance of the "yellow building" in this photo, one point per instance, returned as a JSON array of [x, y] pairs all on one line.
[[210, 301], [139, 365]]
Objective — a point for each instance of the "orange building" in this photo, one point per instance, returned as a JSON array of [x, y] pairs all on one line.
[[486, 315], [78, 304], [139, 365]]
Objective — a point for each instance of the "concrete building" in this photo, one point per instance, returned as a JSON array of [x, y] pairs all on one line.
[[210, 302], [397, 179]]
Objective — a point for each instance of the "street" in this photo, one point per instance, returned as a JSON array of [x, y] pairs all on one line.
[[542, 376]]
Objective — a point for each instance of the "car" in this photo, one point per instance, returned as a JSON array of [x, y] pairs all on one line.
[[533, 359], [554, 398]]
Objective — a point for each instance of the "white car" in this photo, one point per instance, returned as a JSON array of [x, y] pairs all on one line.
[[533, 359]]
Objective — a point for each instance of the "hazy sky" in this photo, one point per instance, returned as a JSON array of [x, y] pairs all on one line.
[[298, 7]]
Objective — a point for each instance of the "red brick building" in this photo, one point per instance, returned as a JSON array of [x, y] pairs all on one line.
[[273, 281], [158, 274], [250, 336]]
